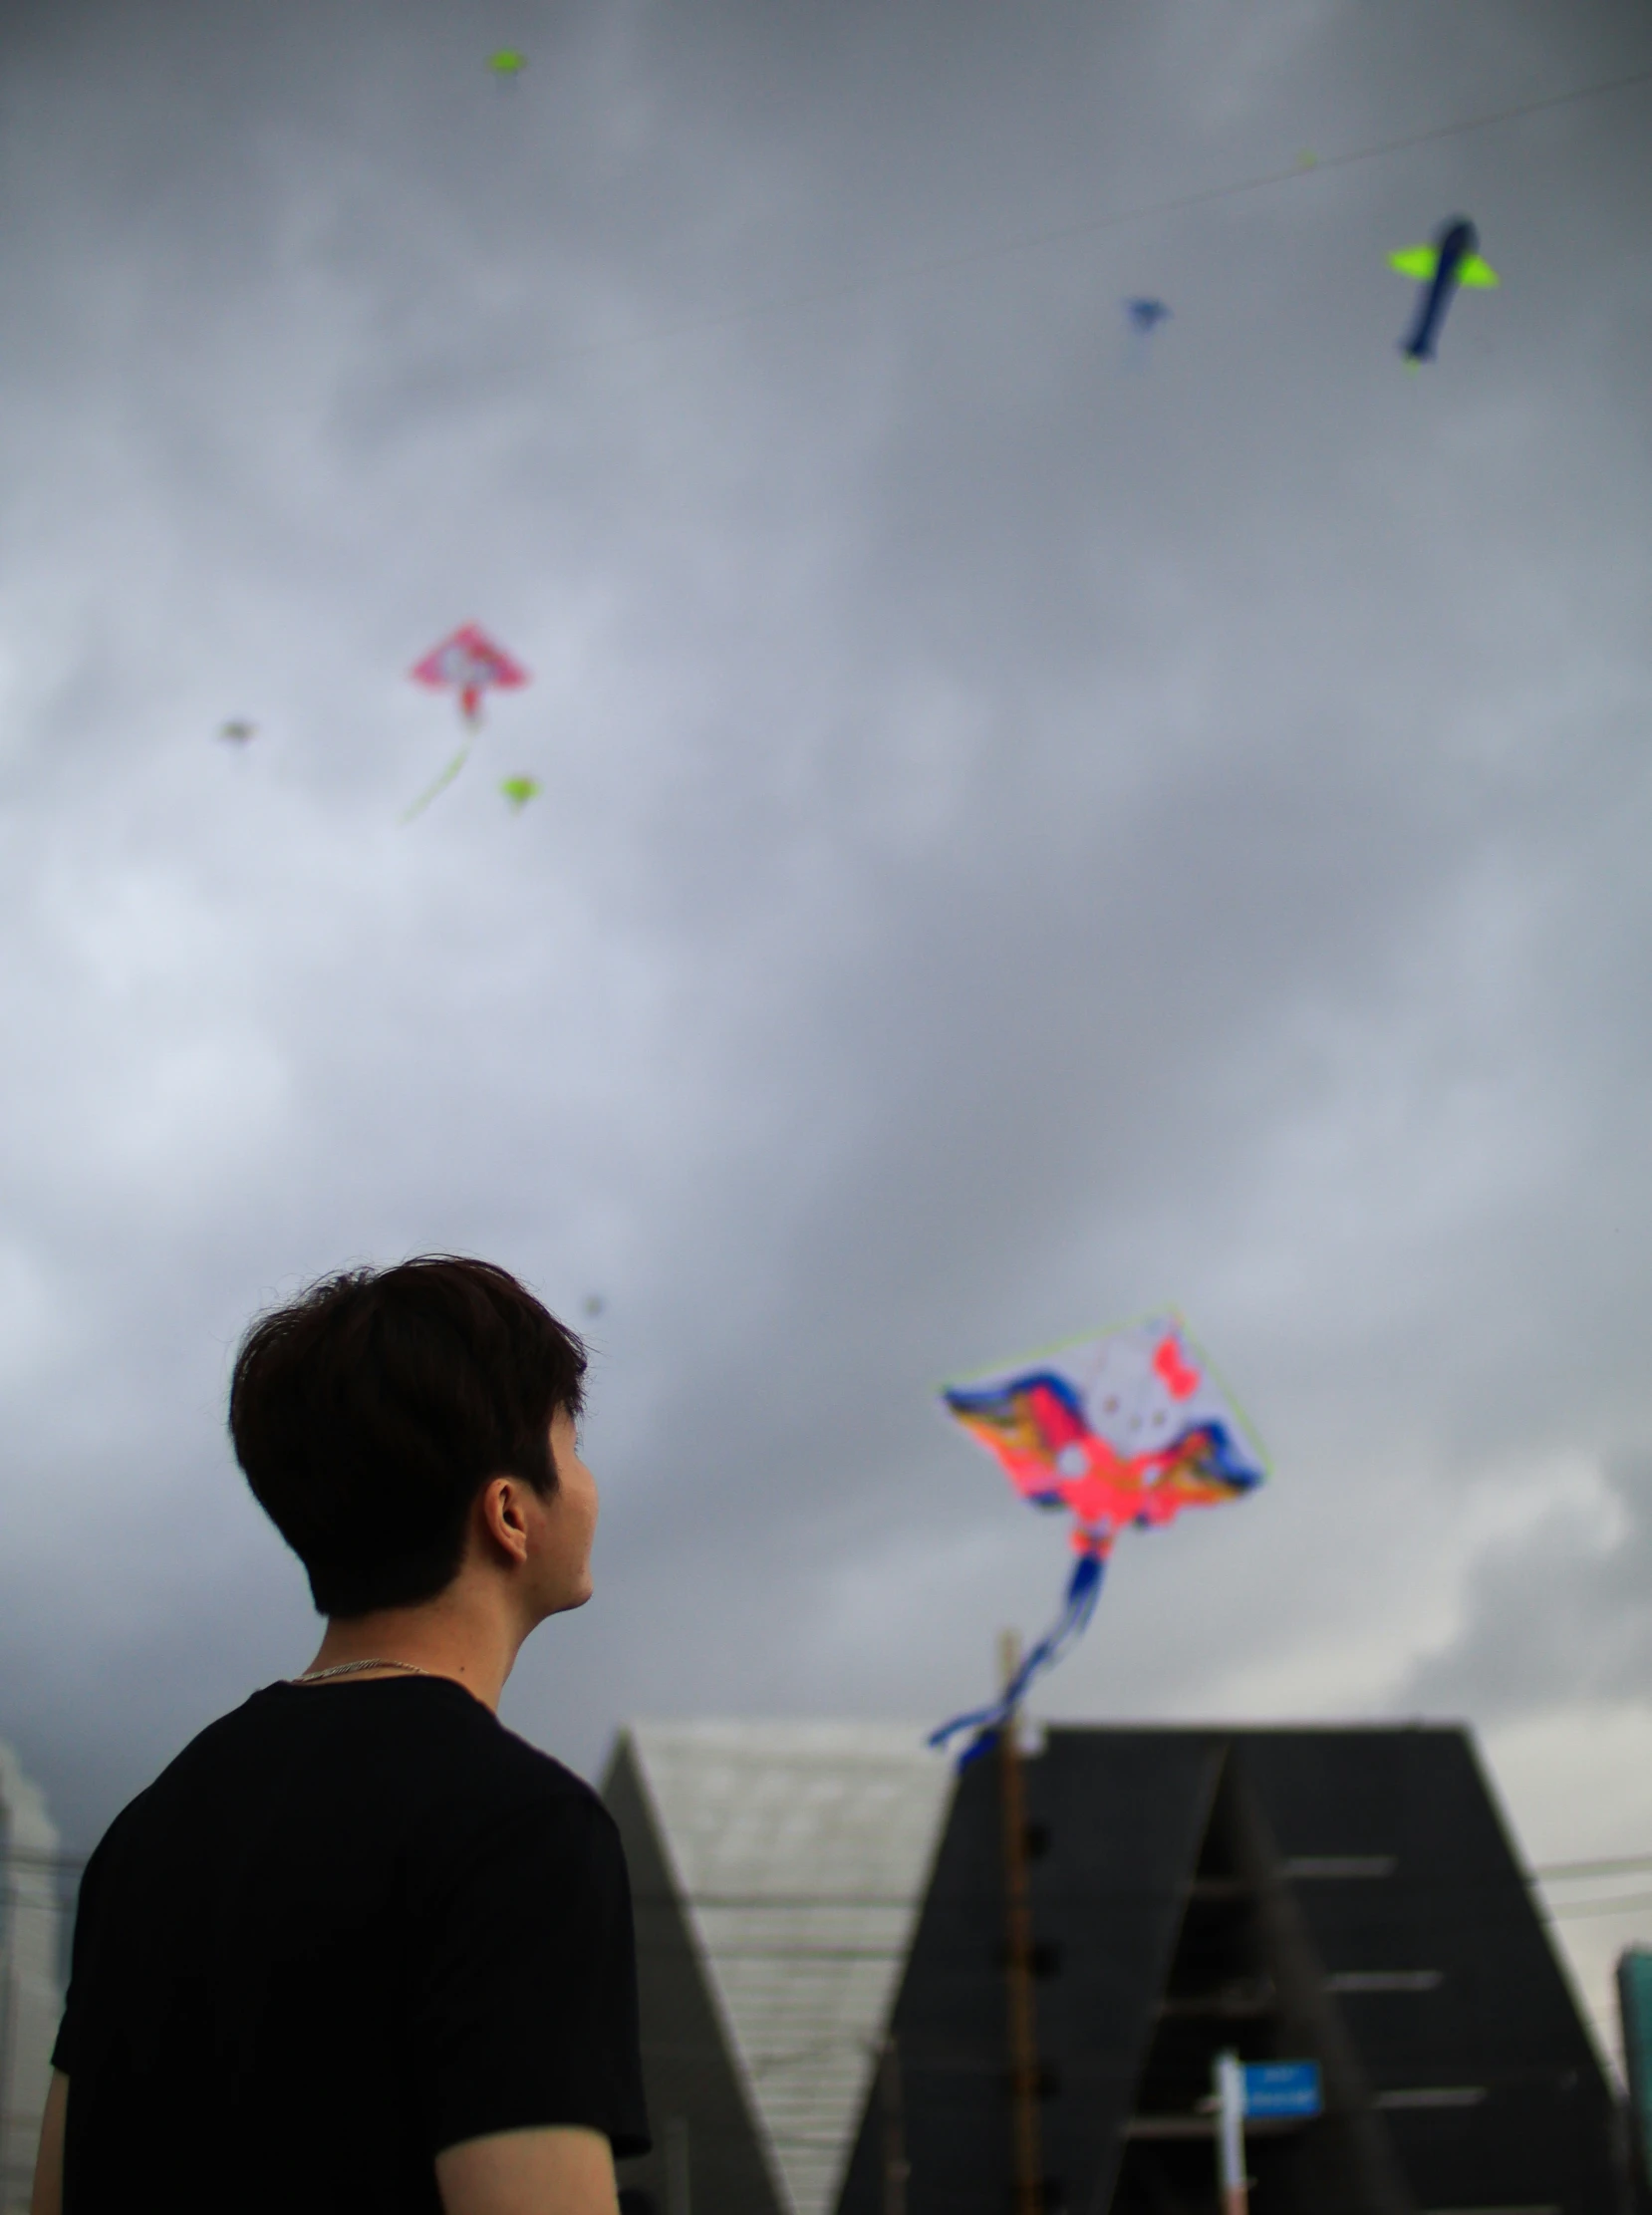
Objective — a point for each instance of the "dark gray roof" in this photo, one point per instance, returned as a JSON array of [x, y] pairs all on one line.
[[1344, 1895]]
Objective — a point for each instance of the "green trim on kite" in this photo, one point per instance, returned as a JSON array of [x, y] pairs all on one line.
[[1421, 261], [519, 791], [508, 62], [1108, 1330]]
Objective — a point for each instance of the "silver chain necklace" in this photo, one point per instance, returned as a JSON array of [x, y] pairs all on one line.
[[352, 1668]]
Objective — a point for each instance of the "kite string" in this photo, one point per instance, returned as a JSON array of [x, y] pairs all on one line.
[[968, 257], [440, 785], [1083, 1590]]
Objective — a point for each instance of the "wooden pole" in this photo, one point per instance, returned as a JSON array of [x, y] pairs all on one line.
[[1022, 2020], [679, 2186]]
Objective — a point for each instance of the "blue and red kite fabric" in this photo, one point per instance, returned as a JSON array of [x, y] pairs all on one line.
[[1128, 1426]]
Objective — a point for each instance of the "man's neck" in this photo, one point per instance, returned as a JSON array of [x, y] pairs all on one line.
[[449, 1637]]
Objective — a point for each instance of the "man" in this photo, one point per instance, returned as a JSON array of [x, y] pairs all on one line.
[[360, 1948]]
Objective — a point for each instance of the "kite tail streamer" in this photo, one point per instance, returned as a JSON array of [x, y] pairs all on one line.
[[1083, 1590], [440, 785]]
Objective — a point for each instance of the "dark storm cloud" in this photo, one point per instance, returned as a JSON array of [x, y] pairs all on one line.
[[1557, 1612], [1020, 839]]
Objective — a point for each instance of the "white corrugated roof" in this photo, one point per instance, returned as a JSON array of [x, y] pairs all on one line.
[[31, 1998], [803, 1852]]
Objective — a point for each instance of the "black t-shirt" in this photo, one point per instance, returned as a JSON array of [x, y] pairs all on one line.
[[352, 1924]]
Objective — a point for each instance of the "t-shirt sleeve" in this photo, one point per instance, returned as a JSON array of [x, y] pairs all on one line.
[[526, 2005], [69, 2040]]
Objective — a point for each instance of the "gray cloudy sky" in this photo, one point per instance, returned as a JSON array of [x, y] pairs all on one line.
[[1024, 837]]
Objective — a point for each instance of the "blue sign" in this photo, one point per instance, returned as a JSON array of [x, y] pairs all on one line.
[[1281, 2088]]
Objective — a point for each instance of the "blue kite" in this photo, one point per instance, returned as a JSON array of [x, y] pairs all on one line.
[[1143, 318], [1452, 260], [1146, 315]]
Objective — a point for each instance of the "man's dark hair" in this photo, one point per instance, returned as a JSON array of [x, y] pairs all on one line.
[[369, 1413]]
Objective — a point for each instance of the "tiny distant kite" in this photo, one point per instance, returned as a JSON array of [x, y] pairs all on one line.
[[1450, 261], [1144, 318], [1146, 315], [519, 791], [470, 665], [507, 64], [1126, 1428], [238, 730]]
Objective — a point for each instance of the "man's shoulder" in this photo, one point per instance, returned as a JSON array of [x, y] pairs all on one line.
[[220, 1742], [502, 1804], [426, 1754], [533, 1777]]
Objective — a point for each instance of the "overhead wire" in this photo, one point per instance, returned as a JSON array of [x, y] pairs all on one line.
[[1624, 1864], [1634, 1904], [1542, 1872]]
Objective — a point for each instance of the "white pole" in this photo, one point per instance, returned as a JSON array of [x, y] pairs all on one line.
[[1230, 2093], [679, 2196]]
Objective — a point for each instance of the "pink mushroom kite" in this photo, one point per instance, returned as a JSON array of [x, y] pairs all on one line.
[[469, 664], [1126, 1428]]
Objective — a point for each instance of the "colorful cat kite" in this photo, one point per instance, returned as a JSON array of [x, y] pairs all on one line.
[[1126, 1428]]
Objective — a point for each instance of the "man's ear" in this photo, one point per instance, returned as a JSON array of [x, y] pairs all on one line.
[[500, 1508]]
